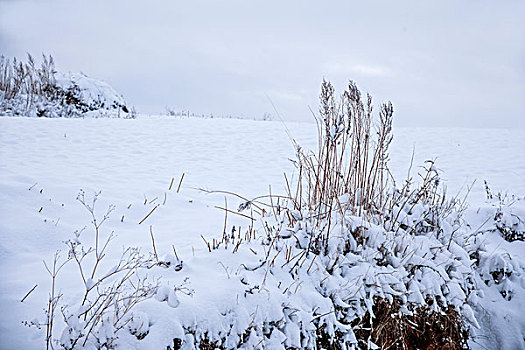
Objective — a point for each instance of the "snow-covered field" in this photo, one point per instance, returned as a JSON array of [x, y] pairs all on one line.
[[44, 163]]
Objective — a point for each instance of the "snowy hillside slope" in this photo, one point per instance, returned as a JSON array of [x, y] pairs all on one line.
[[44, 163]]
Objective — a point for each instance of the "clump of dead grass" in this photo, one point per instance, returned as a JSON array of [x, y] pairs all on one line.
[[422, 328]]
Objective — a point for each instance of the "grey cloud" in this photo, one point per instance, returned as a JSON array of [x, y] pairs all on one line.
[[447, 63]]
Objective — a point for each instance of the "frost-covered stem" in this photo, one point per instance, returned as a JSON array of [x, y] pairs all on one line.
[[51, 309], [96, 318], [424, 188], [99, 253], [110, 297], [153, 242], [53, 298], [141, 292]]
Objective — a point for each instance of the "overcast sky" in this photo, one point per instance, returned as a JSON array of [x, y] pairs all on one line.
[[459, 63]]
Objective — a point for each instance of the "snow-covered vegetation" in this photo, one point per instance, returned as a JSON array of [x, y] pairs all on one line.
[[341, 253], [185, 113], [29, 90]]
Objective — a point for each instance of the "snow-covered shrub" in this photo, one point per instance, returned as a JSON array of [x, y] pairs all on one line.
[[28, 90], [344, 245], [508, 212], [499, 275], [347, 250], [102, 306]]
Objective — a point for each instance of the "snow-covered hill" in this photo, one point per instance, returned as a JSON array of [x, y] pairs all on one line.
[[44, 163]]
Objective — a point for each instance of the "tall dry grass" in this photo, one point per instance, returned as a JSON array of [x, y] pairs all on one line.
[[27, 78], [348, 174]]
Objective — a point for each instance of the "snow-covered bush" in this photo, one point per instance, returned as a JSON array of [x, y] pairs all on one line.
[[106, 295], [348, 259], [29, 90], [508, 212], [344, 246]]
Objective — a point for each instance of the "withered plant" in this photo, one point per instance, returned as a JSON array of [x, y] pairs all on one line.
[[18, 77], [110, 292], [349, 172]]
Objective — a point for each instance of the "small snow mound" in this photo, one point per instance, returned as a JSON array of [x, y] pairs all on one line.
[[96, 94], [32, 91]]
